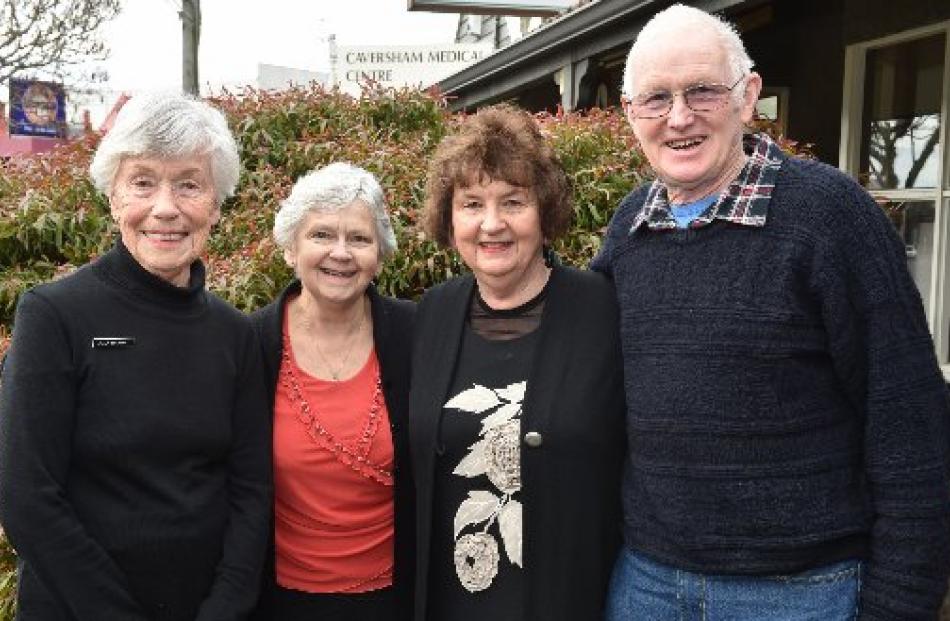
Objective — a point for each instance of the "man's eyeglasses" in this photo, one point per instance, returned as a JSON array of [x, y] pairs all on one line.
[[698, 98]]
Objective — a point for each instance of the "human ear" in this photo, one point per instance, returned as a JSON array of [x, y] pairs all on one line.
[[750, 96]]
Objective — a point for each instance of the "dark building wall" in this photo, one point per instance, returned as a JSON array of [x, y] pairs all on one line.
[[801, 48], [543, 95], [601, 86], [873, 19]]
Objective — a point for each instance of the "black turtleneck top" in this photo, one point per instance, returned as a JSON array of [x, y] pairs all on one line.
[[134, 449]]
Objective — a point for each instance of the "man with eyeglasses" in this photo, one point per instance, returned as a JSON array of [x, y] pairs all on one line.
[[787, 420]]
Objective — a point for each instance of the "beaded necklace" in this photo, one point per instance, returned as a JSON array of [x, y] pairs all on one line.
[[356, 457]]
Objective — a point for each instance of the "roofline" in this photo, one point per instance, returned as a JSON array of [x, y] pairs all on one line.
[[513, 9], [559, 37], [558, 34]]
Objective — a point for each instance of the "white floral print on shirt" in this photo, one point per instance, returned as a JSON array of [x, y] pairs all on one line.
[[497, 455]]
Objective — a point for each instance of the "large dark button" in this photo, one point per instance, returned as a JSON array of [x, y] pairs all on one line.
[[533, 439]]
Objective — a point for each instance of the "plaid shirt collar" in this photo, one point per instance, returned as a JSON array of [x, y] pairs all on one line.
[[746, 201]]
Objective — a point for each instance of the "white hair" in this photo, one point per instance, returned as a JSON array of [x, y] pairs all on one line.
[[168, 125], [672, 22], [330, 189]]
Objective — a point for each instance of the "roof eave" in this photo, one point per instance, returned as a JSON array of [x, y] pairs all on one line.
[[559, 34]]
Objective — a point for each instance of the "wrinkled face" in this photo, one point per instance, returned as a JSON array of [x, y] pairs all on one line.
[[695, 153], [335, 254], [496, 228], [165, 208]]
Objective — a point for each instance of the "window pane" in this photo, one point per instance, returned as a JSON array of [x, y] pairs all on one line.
[[914, 221], [902, 92], [767, 107]]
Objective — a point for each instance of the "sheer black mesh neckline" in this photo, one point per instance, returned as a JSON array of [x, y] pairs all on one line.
[[508, 323]]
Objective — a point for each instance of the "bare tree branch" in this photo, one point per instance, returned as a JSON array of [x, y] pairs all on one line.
[[923, 158], [51, 35], [887, 138]]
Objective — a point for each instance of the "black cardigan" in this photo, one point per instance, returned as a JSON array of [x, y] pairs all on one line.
[[571, 483], [392, 337], [134, 466]]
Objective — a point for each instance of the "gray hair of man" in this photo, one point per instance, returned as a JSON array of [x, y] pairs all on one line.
[[670, 23], [167, 126], [330, 189]]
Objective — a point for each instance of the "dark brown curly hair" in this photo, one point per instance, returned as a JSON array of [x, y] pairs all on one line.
[[499, 143]]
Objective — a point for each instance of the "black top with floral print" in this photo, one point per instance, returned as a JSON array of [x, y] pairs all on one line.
[[476, 566]]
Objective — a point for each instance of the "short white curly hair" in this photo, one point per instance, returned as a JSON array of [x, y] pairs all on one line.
[[329, 189], [168, 125]]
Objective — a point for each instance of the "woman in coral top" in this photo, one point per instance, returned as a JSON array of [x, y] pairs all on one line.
[[337, 354]]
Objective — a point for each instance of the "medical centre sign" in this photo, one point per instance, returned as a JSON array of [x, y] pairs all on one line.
[[398, 66]]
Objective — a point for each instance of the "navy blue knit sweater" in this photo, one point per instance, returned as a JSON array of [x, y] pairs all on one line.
[[785, 408]]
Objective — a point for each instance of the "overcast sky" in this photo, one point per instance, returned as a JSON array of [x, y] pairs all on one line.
[[145, 39]]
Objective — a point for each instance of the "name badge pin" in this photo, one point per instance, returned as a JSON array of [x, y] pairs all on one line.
[[112, 342]]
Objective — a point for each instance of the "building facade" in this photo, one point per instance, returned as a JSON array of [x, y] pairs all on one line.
[[866, 81]]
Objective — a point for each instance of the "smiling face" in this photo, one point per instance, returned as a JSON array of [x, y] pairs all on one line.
[[165, 208], [696, 154], [496, 228], [335, 254]]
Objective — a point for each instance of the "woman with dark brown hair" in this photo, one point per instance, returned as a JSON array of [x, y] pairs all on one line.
[[516, 406]]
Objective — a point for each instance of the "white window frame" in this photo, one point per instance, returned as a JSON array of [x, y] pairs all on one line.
[[938, 311]]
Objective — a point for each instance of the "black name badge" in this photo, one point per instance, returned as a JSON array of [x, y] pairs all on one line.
[[112, 342]]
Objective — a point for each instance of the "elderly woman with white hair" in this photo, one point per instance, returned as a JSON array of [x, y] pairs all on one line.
[[337, 358], [133, 456]]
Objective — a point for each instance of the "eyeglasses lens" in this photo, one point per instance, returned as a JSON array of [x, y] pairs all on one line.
[[702, 98], [699, 98]]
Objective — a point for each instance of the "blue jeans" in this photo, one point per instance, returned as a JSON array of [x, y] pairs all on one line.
[[643, 590]]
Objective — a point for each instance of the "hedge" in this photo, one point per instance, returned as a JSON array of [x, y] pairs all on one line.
[[52, 219]]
